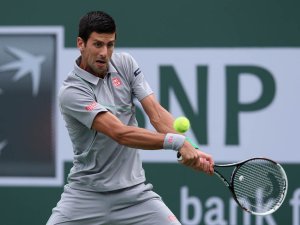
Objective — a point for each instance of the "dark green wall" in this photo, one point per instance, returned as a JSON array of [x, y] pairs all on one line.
[[174, 23]]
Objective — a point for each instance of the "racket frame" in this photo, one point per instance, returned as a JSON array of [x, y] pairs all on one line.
[[230, 185]]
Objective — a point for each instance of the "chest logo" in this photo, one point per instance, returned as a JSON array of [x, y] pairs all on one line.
[[116, 81]]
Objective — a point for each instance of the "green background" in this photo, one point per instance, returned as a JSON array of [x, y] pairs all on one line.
[[226, 23]]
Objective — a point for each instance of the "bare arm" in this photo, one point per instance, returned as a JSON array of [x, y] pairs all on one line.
[[134, 137], [159, 117], [163, 121]]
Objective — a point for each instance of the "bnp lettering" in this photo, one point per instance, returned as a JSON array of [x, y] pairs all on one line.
[[170, 83]]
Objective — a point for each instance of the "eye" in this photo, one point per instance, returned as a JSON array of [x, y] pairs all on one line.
[[111, 44], [98, 44]]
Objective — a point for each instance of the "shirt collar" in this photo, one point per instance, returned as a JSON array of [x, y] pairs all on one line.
[[90, 77], [84, 74], [111, 68]]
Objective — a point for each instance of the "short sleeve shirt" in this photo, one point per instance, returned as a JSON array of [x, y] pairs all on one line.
[[101, 164]]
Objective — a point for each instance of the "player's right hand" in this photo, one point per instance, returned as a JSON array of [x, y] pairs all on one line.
[[196, 159]]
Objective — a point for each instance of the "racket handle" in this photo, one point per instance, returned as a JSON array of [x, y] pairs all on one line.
[[179, 156]]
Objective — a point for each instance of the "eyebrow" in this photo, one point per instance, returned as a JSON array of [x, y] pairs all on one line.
[[96, 40]]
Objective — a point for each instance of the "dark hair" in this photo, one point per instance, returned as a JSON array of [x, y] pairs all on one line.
[[96, 21]]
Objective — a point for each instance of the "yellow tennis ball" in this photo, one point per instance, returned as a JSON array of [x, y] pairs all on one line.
[[181, 124]]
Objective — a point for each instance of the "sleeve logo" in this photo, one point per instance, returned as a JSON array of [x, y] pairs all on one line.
[[91, 106], [137, 72]]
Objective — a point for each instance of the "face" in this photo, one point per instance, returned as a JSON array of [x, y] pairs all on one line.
[[96, 53]]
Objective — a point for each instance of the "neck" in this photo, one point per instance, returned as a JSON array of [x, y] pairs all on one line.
[[85, 67]]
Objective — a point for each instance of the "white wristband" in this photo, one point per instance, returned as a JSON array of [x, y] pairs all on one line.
[[173, 141]]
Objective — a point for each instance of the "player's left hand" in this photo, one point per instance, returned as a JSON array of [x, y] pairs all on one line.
[[204, 163]]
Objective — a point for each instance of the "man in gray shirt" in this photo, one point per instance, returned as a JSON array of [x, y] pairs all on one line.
[[106, 183]]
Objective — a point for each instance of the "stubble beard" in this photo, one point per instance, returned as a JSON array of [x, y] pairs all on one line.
[[100, 72]]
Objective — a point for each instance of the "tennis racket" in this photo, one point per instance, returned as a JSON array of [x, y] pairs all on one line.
[[258, 185]]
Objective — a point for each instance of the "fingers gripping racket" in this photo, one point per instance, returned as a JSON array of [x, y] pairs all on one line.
[[258, 185]]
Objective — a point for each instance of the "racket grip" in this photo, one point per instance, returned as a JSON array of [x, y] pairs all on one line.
[[179, 156]]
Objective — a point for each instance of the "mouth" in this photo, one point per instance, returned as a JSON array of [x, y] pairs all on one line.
[[101, 62]]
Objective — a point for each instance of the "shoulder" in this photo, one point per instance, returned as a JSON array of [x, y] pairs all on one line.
[[73, 87], [122, 58], [125, 63]]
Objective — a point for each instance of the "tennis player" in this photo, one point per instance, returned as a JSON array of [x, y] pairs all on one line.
[[106, 184]]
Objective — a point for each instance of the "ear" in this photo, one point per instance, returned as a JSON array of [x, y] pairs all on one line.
[[80, 43]]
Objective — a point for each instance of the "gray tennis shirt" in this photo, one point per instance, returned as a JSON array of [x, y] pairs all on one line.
[[101, 164]]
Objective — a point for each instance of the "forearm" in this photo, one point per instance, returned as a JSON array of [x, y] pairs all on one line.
[[159, 117], [163, 122], [136, 137], [131, 136]]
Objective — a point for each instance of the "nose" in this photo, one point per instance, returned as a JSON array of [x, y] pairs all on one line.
[[103, 52]]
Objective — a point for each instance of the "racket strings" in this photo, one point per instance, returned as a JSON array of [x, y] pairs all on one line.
[[259, 185], [258, 178]]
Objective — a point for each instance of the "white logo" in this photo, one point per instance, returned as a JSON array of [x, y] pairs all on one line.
[[28, 77], [27, 64]]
